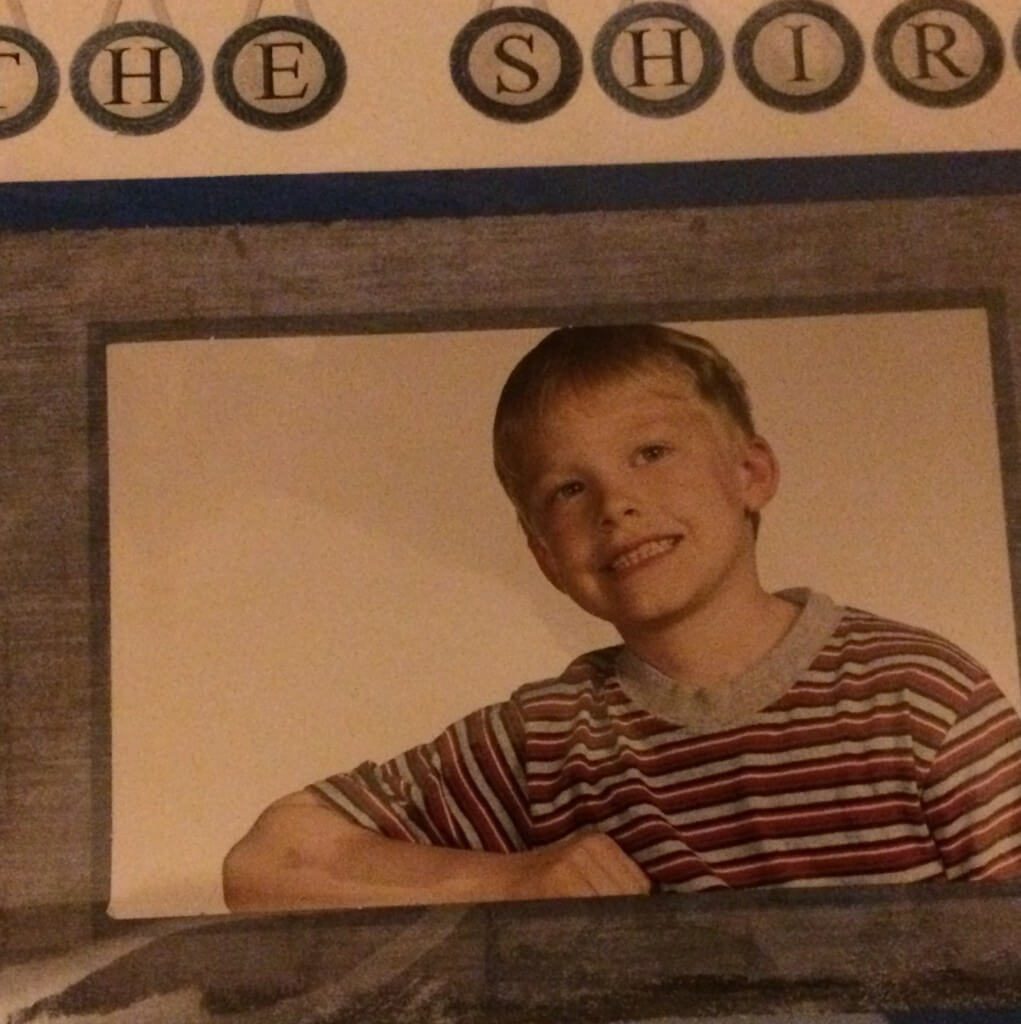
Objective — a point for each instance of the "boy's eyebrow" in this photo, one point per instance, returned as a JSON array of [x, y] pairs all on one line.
[[548, 474], [554, 466]]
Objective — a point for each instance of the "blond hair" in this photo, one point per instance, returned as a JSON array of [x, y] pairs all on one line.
[[585, 356]]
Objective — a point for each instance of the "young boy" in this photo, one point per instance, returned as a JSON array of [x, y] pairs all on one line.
[[736, 738]]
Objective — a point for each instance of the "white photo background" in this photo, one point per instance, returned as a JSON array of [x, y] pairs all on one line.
[[312, 562]]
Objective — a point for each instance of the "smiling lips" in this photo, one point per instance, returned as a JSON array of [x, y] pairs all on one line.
[[642, 553]]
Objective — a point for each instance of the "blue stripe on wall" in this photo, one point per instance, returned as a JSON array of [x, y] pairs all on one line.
[[267, 199]]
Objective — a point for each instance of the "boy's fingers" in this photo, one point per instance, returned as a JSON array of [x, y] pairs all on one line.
[[621, 874], [594, 865]]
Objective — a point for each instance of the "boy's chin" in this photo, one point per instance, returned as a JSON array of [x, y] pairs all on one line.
[[645, 621], [652, 615]]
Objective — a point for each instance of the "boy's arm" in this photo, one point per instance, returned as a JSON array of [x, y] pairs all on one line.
[[973, 791], [303, 854]]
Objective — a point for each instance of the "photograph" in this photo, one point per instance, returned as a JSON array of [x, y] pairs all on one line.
[[314, 566]]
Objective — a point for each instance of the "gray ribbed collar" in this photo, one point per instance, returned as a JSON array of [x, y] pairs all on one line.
[[708, 709]]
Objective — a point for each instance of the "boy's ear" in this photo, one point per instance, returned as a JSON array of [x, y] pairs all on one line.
[[542, 555], [760, 473]]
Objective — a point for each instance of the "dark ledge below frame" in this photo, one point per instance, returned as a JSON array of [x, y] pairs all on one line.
[[911, 954]]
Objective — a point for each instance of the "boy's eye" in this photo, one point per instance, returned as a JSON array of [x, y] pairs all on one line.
[[651, 452], [567, 490]]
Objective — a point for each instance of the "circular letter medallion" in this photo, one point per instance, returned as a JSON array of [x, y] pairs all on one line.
[[136, 77], [280, 72], [939, 53], [515, 63], [799, 55], [658, 59], [29, 81]]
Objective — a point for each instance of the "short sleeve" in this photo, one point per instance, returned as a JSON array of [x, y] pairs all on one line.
[[464, 790], [972, 791]]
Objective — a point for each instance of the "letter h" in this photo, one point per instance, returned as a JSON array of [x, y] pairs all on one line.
[[154, 74]]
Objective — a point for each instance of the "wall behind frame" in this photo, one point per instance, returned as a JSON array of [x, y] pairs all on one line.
[[54, 772]]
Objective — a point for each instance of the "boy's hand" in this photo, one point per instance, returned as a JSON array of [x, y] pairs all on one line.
[[590, 864]]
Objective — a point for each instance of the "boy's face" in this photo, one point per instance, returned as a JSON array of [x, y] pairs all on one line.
[[638, 498]]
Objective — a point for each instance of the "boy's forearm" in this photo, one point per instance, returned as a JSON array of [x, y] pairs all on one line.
[[306, 856], [347, 866]]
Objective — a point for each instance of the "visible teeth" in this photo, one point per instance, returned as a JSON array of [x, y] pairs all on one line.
[[640, 554]]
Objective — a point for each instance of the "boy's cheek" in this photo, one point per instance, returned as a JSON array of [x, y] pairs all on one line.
[[545, 560]]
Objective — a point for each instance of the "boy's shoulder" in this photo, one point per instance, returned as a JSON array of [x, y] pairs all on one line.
[[873, 654], [868, 636], [589, 672]]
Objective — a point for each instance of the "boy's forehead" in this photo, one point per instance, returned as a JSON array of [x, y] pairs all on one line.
[[645, 391], [597, 416]]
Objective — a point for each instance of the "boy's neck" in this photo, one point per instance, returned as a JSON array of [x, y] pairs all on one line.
[[716, 643]]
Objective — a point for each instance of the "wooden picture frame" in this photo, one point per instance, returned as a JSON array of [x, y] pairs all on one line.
[[915, 950]]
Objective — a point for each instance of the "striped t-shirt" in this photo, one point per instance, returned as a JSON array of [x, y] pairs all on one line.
[[859, 750]]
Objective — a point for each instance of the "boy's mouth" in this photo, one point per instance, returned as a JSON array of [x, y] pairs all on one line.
[[642, 553]]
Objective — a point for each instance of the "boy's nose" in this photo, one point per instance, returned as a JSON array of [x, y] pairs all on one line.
[[615, 505]]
